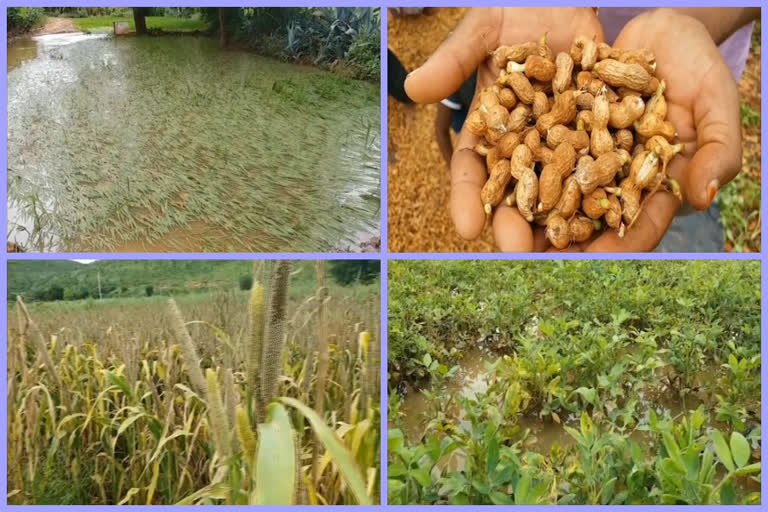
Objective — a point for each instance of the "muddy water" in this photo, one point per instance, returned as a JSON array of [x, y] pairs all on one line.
[[170, 144], [543, 433]]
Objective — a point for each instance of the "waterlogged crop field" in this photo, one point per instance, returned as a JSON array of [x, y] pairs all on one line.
[[171, 144], [574, 382], [265, 396]]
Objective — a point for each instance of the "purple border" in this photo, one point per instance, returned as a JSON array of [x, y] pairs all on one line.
[[384, 256]]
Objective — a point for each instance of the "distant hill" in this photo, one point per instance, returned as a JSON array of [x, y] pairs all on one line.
[[48, 280]]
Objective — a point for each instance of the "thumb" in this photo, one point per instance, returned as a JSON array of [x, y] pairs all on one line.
[[718, 139], [456, 58]]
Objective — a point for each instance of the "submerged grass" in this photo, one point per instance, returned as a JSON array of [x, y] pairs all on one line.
[[170, 144], [135, 410]]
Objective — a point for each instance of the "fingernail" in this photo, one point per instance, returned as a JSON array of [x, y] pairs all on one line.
[[712, 188]]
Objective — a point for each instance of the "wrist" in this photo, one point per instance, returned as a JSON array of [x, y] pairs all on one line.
[[720, 22]]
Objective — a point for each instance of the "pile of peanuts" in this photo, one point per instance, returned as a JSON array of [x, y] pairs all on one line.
[[576, 141]]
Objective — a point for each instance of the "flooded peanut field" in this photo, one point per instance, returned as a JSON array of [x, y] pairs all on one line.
[[172, 144], [473, 379]]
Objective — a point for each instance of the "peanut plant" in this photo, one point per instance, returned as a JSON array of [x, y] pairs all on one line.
[[602, 382]]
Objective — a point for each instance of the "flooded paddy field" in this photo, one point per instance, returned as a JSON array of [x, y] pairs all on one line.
[[171, 144]]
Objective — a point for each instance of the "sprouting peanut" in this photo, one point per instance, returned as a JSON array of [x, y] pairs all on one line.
[[543, 49], [492, 157], [630, 200], [644, 169], [570, 199], [586, 118], [613, 214], [580, 228], [626, 112], [562, 79], [553, 174], [540, 104], [649, 125], [507, 98], [493, 190], [535, 67], [643, 57], [518, 118], [522, 160], [623, 139], [496, 118], [595, 204], [585, 101], [619, 74], [482, 148], [475, 123], [579, 138], [600, 172], [606, 51], [583, 80], [527, 191], [563, 112], [557, 231], [663, 148], [514, 53], [520, 85], [508, 143], [601, 141], [585, 50]]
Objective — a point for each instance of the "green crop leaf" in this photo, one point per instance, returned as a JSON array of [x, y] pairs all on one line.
[[339, 453], [522, 488], [275, 464], [722, 451], [739, 449]]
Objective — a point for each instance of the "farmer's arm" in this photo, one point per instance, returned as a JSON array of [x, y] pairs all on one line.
[[721, 22]]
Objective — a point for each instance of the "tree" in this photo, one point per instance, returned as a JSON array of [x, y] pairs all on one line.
[[246, 282], [223, 32], [149, 290], [140, 20], [348, 271], [69, 294], [54, 292]]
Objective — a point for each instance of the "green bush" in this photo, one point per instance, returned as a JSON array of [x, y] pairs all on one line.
[[24, 18], [363, 55]]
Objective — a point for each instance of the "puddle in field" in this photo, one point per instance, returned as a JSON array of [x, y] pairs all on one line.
[[171, 144], [544, 433]]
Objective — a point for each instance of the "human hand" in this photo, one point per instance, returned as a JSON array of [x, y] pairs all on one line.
[[480, 32], [702, 103]]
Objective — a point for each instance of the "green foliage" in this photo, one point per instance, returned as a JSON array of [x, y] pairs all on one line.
[[165, 23], [623, 358], [149, 290], [739, 208], [45, 280], [328, 36], [347, 272], [23, 19], [748, 115], [245, 282]]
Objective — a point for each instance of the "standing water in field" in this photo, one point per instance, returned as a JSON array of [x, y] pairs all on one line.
[[171, 144]]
